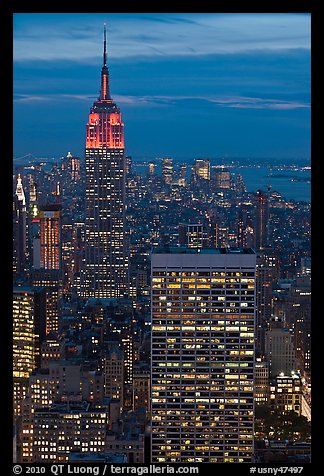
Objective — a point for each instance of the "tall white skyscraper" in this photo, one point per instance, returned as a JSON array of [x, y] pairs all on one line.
[[20, 229], [203, 307]]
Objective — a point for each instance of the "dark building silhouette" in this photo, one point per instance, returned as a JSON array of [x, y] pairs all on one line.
[[261, 220]]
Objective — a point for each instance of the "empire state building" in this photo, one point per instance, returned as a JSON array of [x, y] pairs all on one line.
[[104, 272]]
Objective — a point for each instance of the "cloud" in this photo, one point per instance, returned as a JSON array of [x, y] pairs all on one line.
[[31, 98], [238, 102], [78, 38]]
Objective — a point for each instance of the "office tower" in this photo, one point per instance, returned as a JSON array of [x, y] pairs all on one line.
[[286, 393], [129, 445], [239, 184], [202, 356], [113, 371], [43, 391], [141, 282], [67, 256], [167, 170], [129, 165], [71, 167], [127, 346], [266, 275], [263, 303], [20, 229], [223, 179], [69, 427], [279, 348], [191, 235], [306, 266], [72, 246], [221, 236], [298, 301], [52, 350], [60, 381], [33, 198], [28, 333], [261, 381], [47, 272], [245, 231], [141, 386], [105, 265], [50, 236], [261, 220], [183, 174], [151, 168], [302, 336], [75, 168], [201, 169], [51, 281]]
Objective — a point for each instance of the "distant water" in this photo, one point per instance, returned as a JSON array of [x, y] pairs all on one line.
[[258, 178]]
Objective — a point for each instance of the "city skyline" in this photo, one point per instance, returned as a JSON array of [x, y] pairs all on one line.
[[162, 310], [246, 76]]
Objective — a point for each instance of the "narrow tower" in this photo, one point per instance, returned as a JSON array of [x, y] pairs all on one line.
[[104, 272], [20, 228], [261, 220]]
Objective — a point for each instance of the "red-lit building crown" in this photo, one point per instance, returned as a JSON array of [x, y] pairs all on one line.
[[105, 127]]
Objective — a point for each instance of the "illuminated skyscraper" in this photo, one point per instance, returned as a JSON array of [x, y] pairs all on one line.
[[261, 220], [223, 178], [105, 265], [51, 282], [71, 426], [50, 237], [167, 170], [202, 169], [33, 208], [286, 393], [279, 348], [191, 235], [266, 274], [47, 265], [151, 168], [20, 229], [203, 305], [71, 167], [28, 332]]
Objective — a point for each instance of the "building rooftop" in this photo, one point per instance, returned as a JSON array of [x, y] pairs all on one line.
[[72, 408], [105, 302], [204, 251], [97, 457]]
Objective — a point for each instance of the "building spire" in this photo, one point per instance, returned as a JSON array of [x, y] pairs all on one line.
[[105, 47], [20, 191], [105, 86]]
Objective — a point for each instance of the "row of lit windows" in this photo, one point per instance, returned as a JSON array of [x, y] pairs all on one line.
[[203, 273], [169, 281], [213, 415]]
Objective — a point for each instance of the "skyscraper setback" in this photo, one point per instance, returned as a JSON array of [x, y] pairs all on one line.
[[105, 264]]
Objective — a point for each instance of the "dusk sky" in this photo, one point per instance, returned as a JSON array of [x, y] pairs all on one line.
[[189, 85]]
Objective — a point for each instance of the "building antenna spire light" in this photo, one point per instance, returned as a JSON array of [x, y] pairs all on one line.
[[105, 47], [105, 87]]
